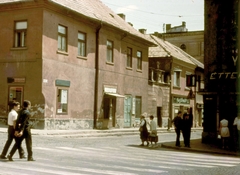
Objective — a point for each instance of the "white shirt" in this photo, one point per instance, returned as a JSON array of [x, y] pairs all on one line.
[[153, 125], [12, 116]]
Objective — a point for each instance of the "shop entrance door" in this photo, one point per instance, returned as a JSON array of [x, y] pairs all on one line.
[[127, 111], [15, 93]]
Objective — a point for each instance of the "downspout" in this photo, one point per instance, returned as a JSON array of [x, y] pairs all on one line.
[[170, 95], [95, 111]]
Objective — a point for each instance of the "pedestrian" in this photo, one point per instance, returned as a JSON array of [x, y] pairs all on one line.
[[187, 123], [23, 131], [143, 129], [237, 124], [224, 132], [12, 117], [153, 137], [177, 121]]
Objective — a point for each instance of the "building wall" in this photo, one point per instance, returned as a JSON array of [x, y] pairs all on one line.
[[194, 42], [21, 62], [41, 64]]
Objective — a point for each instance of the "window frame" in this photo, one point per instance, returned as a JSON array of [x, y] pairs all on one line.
[[19, 40], [62, 35], [129, 57], [110, 54], [59, 101], [139, 60], [82, 43], [177, 82]]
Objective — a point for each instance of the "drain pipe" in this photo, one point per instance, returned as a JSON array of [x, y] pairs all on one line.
[[95, 110]]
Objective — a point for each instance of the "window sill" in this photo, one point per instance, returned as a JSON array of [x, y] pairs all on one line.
[[19, 48], [129, 68], [62, 52], [176, 87], [82, 57], [110, 63], [139, 70]]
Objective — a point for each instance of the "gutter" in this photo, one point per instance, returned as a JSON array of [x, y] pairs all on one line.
[[96, 77]]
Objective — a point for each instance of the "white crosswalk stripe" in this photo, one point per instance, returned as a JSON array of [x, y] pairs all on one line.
[[120, 160]]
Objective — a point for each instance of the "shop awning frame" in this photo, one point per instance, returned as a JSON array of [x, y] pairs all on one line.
[[114, 94]]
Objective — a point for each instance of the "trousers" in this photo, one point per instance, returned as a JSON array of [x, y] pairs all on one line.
[[9, 142]]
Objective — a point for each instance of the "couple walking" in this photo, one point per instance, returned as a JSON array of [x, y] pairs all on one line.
[[18, 129], [184, 124]]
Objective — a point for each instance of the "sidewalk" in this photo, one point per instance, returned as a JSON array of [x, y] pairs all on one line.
[[196, 145]]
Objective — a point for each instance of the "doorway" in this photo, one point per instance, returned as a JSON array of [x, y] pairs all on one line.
[[127, 111], [15, 93]]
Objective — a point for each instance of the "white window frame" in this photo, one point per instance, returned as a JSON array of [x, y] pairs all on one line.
[[20, 33], [109, 51], [82, 43], [62, 38], [139, 60], [177, 77]]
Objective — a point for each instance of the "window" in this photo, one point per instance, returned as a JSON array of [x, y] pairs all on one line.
[[81, 44], [109, 51], [129, 57], [62, 38], [62, 100], [176, 79], [139, 60], [183, 47], [20, 33]]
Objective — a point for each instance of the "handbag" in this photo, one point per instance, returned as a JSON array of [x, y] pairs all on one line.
[[140, 129]]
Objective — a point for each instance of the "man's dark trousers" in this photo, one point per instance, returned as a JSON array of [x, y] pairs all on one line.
[[28, 139], [9, 141], [178, 131]]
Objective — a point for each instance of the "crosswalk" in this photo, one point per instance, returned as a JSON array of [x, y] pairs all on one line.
[[122, 160]]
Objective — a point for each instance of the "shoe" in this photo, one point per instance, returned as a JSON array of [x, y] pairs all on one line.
[[141, 145], [3, 157], [31, 159], [22, 157], [9, 158], [150, 146]]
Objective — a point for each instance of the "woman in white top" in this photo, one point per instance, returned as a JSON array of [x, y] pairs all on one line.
[[153, 131], [224, 132]]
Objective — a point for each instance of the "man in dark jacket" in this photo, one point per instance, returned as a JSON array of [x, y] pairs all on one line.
[[23, 131], [177, 121], [187, 125]]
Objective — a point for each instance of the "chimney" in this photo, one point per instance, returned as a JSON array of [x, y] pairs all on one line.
[[122, 16], [184, 24], [168, 27], [143, 31]]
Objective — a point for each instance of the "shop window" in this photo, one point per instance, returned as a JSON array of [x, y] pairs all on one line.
[[62, 101], [20, 33]]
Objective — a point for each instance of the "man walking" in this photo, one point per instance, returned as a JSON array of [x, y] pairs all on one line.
[[23, 131], [177, 121], [12, 117]]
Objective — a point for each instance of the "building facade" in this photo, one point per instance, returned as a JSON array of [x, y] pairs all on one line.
[[221, 92], [168, 92], [192, 42], [81, 65]]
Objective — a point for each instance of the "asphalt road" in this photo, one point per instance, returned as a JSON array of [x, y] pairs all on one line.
[[114, 155]]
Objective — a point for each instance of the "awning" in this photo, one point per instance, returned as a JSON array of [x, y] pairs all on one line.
[[115, 95]]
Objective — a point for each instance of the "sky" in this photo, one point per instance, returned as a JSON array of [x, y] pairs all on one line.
[[153, 15]]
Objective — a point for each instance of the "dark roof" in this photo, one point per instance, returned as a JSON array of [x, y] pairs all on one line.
[[93, 9], [166, 49]]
